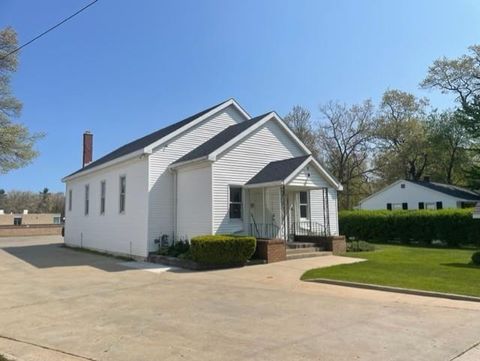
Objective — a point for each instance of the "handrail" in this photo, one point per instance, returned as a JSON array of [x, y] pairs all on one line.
[[264, 230], [309, 228]]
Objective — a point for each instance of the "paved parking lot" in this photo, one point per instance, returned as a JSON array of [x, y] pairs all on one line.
[[60, 304]]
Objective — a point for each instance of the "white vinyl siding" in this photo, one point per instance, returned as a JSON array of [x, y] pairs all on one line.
[[240, 163], [308, 177], [161, 188], [112, 232], [318, 207], [194, 201], [411, 193]]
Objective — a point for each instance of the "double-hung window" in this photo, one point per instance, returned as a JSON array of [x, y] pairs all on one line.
[[103, 190], [70, 200], [87, 199], [235, 210], [123, 193], [304, 205]]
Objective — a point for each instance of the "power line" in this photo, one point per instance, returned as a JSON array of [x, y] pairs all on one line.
[[48, 30]]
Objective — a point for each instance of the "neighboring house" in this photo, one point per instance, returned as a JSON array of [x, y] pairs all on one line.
[[26, 219], [218, 171], [407, 194]]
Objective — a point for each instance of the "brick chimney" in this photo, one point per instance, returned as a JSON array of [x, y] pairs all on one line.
[[87, 148]]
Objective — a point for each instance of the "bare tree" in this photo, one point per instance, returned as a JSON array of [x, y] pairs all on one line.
[[344, 139], [300, 122]]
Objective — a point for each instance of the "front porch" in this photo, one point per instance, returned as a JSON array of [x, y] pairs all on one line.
[[287, 212]]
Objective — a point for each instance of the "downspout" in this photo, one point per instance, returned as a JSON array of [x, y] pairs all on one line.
[[175, 186]]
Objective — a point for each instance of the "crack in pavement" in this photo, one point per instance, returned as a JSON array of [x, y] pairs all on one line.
[[465, 351], [47, 348]]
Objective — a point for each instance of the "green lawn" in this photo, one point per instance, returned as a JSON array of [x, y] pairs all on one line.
[[431, 269]]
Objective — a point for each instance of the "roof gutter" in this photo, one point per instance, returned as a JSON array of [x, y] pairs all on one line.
[[115, 161], [187, 162]]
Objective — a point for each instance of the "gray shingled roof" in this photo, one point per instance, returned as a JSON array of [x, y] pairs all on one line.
[[144, 141], [218, 140], [451, 190], [277, 171]]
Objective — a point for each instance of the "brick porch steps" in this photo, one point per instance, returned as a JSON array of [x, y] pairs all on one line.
[[297, 250]]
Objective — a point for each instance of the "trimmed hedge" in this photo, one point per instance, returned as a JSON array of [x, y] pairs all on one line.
[[452, 226], [222, 249]]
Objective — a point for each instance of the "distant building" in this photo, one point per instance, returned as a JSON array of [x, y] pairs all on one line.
[[407, 194], [25, 218]]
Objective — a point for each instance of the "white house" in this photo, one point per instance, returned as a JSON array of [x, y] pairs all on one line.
[[407, 194], [218, 171]]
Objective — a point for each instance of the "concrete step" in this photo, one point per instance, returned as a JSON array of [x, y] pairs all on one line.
[[307, 255], [304, 250], [294, 245]]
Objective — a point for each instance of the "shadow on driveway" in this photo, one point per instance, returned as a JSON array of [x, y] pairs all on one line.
[[57, 255]]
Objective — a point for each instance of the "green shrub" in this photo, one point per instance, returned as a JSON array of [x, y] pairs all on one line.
[[222, 249], [476, 258], [360, 246], [451, 226], [175, 250]]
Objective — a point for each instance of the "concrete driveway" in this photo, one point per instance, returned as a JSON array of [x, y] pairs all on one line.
[[60, 304]]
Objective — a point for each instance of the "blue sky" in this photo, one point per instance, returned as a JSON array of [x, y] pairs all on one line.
[[125, 68]]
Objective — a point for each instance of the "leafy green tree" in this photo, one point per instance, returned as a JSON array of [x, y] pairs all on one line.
[[16, 142], [461, 77], [403, 149], [450, 144]]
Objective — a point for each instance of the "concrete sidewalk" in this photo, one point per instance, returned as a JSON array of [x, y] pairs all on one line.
[[60, 304]]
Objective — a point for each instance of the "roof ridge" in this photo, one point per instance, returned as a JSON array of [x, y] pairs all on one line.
[[219, 139], [449, 189], [147, 139]]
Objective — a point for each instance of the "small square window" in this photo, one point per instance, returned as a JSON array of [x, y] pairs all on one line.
[[402, 186]]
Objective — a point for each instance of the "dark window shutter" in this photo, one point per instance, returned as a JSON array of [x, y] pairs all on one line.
[[421, 205], [439, 205], [389, 206], [404, 205]]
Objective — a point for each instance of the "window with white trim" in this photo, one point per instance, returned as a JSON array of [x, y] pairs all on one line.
[[123, 193], [304, 204], [235, 205], [87, 199], [103, 191]]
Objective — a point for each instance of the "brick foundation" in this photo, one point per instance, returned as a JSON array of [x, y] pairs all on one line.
[[31, 230], [334, 244], [271, 250]]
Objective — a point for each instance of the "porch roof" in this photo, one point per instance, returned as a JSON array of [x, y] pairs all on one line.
[[284, 171], [277, 171]]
